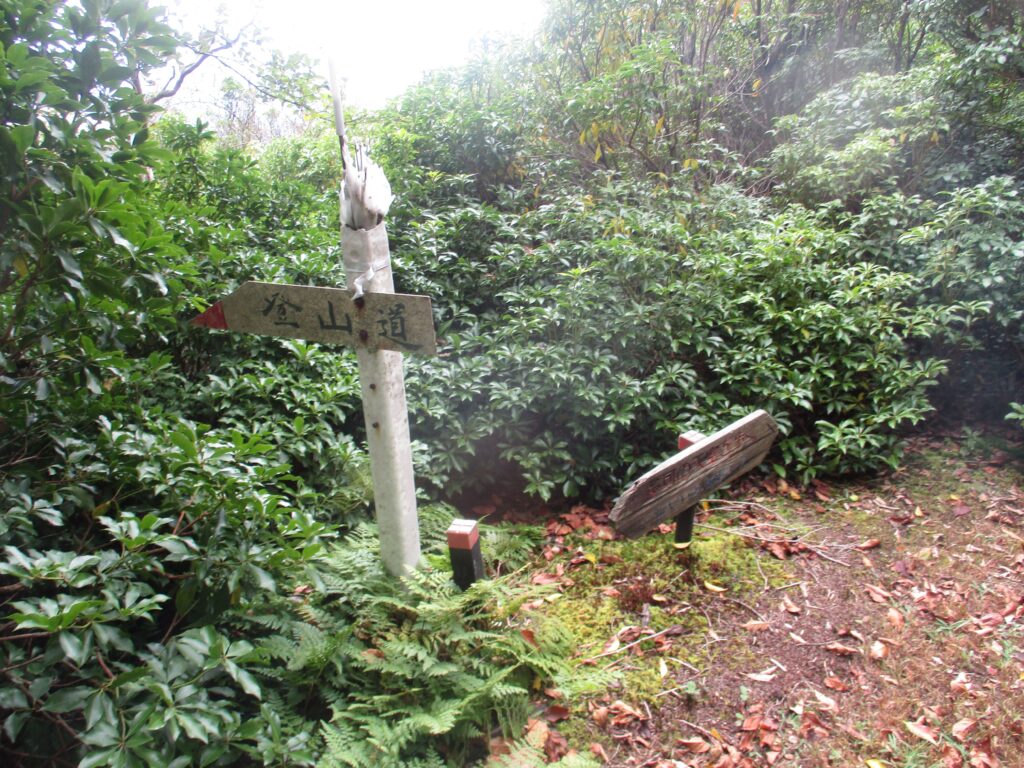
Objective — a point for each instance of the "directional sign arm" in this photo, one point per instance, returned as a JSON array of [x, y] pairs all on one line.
[[692, 474], [394, 322]]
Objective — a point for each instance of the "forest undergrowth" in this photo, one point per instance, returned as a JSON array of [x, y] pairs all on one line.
[[650, 218]]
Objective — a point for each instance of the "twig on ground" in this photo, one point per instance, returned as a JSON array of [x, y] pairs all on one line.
[[697, 728], [636, 642], [784, 587], [686, 664], [744, 605], [815, 548], [821, 554], [676, 689]]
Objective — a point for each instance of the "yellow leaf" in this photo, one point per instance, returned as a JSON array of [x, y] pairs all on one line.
[[714, 587], [21, 265], [757, 84], [659, 125], [597, 153], [583, 137], [903, 137], [873, 763], [935, 137]]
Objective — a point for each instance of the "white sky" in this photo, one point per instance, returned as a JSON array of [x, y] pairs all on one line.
[[381, 46]]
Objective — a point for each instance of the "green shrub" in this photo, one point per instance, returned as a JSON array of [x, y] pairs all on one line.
[[599, 326]]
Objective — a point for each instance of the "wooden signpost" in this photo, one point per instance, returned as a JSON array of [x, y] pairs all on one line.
[[675, 486], [381, 326], [369, 316]]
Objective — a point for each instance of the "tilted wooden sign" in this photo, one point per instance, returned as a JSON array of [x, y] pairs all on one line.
[[680, 482], [390, 321]]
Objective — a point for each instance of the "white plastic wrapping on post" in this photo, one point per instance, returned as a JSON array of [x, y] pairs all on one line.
[[364, 253], [387, 420]]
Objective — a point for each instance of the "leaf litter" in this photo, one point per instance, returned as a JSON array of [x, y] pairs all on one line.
[[900, 629]]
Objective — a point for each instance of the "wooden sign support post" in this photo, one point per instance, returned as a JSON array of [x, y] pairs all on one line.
[[365, 200], [686, 518], [387, 425]]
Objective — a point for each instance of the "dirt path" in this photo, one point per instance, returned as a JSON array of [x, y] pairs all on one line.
[[878, 623]]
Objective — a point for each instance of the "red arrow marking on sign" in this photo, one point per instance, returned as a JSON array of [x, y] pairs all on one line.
[[212, 318]]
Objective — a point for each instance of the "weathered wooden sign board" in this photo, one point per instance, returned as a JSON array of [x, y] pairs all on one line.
[[395, 322], [678, 483]]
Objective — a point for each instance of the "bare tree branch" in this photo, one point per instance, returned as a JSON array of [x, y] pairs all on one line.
[[170, 90]]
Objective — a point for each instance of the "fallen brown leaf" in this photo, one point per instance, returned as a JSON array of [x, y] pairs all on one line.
[[622, 713], [877, 594], [556, 746], [827, 702], [790, 607], [537, 733], [836, 684], [842, 650], [963, 727], [545, 578], [895, 618], [923, 731], [812, 725], [694, 744], [951, 757], [556, 713]]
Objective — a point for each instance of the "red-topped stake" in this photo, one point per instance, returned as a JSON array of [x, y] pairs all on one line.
[[464, 550]]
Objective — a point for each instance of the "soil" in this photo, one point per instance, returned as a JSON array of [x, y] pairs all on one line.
[[882, 626]]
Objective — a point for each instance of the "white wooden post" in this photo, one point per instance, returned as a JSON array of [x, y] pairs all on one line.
[[365, 199], [381, 378]]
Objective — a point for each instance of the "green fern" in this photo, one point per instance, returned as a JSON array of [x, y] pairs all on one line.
[[402, 673]]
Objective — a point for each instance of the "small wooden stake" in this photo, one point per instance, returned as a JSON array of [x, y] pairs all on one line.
[[464, 550]]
